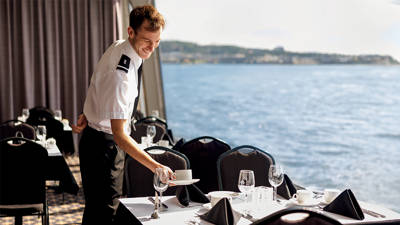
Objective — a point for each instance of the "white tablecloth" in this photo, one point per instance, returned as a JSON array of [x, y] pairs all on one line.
[[142, 209]]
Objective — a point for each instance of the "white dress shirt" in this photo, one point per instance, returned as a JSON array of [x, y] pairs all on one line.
[[113, 87]]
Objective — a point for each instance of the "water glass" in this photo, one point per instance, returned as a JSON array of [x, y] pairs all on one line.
[[41, 134], [275, 177], [262, 196], [151, 133], [160, 183], [246, 183], [155, 113], [25, 114], [58, 114]]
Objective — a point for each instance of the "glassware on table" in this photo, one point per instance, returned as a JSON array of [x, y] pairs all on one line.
[[155, 113], [25, 114], [151, 133], [57, 114], [160, 183], [246, 183], [41, 134], [275, 178]]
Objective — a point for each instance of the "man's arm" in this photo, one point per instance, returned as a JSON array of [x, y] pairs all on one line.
[[126, 143]]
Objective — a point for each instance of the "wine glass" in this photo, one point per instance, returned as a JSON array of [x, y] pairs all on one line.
[[41, 134], [275, 178], [246, 182], [151, 133], [160, 183], [25, 113], [58, 114]]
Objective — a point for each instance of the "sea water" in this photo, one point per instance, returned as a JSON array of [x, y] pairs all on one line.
[[335, 126]]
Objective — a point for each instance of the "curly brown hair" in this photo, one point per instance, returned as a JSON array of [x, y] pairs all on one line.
[[148, 12]]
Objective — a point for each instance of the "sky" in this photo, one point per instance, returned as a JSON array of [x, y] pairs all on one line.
[[327, 26]]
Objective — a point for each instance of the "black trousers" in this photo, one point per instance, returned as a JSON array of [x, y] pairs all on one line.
[[102, 169]]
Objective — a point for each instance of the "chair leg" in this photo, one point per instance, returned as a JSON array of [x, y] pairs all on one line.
[[18, 220]]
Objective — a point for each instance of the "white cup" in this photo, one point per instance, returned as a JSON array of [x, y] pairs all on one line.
[[330, 194], [303, 196], [216, 196], [163, 143], [183, 174]]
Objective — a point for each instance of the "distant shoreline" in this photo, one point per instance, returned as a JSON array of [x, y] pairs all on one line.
[[179, 52]]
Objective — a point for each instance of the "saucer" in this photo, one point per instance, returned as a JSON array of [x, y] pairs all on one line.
[[230, 193], [207, 206], [184, 182], [311, 202]]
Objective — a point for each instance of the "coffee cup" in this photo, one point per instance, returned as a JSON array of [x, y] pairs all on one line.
[[303, 196], [330, 194], [163, 143], [216, 196], [183, 174]]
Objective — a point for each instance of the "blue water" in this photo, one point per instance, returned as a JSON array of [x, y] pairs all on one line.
[[329, 126]]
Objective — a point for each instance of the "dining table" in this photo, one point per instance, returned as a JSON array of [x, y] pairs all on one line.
[[138, 211], [59, 170]]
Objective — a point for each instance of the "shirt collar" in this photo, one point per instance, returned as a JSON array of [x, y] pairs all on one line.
[[137, 61]]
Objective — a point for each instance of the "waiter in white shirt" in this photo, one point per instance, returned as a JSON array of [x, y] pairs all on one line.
[[110, 103]]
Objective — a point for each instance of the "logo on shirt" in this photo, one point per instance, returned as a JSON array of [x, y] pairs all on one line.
[[124, 63]]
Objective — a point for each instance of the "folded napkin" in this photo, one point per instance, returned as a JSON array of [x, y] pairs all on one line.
[[346, 205], [286, 189], [222, 214], [188, 193]]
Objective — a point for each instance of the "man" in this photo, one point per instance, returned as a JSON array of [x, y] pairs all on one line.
[[110, 103]]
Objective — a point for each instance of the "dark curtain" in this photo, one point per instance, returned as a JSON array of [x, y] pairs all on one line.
[[48, 50]]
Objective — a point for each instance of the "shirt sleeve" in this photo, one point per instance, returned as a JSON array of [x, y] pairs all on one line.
[[115, 95]]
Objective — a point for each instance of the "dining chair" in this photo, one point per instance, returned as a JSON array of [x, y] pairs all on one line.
[[162, 132], [245, 157], [11, 128], [22, 178], [297, 216], [203, 153], [55, 128], [138, 180]]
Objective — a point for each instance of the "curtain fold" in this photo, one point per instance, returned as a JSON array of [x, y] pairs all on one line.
[[48, 51]]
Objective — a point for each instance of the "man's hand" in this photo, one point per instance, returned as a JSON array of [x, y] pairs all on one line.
[[82, 123]]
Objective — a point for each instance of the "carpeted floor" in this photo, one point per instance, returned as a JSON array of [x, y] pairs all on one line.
[[63, 208]]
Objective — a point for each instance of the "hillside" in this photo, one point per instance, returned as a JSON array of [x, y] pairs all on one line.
[[186, 52]]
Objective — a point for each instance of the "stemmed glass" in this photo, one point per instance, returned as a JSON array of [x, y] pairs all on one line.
[[275, 177], [151, 133], [58, 114], [246, 182], [25, 113], [41, 134], [160, 183]]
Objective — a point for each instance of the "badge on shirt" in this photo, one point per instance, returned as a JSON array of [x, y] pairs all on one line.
[[124, 63]]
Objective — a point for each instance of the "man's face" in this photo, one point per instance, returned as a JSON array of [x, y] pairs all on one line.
[[143, 41]]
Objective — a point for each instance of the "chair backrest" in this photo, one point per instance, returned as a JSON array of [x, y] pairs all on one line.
[[297, 216], [22, 172], [43, 116], [138, 180], [245, 157], [203, 153], [162, 132], [10, 128]]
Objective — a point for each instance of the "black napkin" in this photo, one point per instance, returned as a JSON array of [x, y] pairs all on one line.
[[222, 214], [286, 189], [188, 193], [346, 204]]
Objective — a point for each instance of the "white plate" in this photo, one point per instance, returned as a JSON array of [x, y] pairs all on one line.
[[184, 182]]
